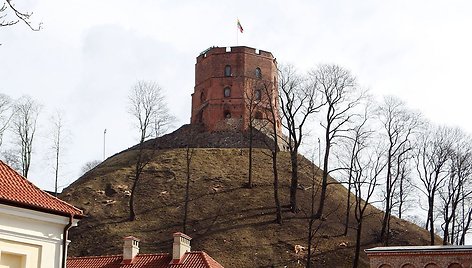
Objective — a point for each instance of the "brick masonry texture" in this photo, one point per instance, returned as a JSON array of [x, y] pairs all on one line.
[[210, 107]]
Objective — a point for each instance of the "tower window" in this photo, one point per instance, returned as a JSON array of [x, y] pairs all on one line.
[[258, 72], [228, 70], [202, 96], [257, 94], [227, 92]]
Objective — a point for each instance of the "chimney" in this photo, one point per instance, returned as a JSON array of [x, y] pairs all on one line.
[[180, 246], [130, 249]]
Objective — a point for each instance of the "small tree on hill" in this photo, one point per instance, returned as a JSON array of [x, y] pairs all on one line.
[[252, 102], [356, 143], [147, 106], [399, 125], [90, 165], [432, 154], [340, 92], [269, 125], [298, 101]]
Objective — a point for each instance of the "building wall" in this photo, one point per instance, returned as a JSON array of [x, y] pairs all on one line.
[[31, 238], [422, 260], [209, 105]]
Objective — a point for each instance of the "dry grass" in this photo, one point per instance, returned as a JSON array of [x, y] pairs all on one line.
[[230, 222]]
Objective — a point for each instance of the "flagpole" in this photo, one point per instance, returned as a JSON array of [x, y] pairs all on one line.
[[237, 35]]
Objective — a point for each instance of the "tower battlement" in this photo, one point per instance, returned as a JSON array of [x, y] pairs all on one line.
[[237, 49]]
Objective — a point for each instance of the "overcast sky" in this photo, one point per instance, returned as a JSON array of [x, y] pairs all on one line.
[[90, 53]]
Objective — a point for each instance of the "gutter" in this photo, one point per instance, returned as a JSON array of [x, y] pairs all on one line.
[[64, 240]]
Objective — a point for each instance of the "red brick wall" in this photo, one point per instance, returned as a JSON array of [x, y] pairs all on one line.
[[413, 259], [209, 105]]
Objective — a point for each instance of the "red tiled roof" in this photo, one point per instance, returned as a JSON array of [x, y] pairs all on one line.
[[17, 191], [195, 259]]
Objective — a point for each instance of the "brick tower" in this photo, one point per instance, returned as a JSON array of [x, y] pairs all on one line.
[[227, 80]]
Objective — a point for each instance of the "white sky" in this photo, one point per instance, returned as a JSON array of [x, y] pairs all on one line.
[[90, 53]]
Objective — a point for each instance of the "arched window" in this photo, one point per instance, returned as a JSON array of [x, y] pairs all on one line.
[[257, 94], [227, 92], [228, 70], [202, 96], [227, 114], [258, 72]]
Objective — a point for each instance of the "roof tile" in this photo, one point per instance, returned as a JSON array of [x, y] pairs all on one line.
[[18, 191], [195, 259]]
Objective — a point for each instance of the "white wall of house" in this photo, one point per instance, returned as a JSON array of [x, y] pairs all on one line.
[[30, 239]]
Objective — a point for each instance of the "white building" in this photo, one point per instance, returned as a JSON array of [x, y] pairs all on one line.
[[33, 224]]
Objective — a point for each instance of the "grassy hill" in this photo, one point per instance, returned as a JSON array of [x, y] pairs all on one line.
[[230, 222]]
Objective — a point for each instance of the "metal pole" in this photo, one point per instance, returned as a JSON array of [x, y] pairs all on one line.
[[104, 135]]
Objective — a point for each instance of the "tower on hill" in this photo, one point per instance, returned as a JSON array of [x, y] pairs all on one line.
[[227, 81]]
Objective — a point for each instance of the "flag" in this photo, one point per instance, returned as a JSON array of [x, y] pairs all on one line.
[[240, 27]]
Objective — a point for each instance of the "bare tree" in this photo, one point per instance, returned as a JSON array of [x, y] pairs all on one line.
[[367, 172], [269, 107], [252, 101], [399, 125], [5, 114], [401, 200], [163, 122], [147, 106], [298, 100], [432, 154], [11, 157], [464, 220], [339, 91], [24, 127], [90, 165], [356, 142], [457, 187], [58, 139], [10, 15], [312, 229]]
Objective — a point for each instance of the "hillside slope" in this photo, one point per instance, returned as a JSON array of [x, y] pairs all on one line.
[[230, 222]]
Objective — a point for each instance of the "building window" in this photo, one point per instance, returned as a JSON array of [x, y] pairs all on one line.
[[227, 114], [227, 70], [258, 72], [257, 94], [227, 92]]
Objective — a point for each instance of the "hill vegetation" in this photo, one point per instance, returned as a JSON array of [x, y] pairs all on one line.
[[232, 223]]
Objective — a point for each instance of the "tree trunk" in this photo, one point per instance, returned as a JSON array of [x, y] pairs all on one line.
[[324, 179], [276, 188], [132, 214], [294, 181], [431, 221], [349, 187], [385, 222], [137, 175], [355, 264], [249, 179]]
